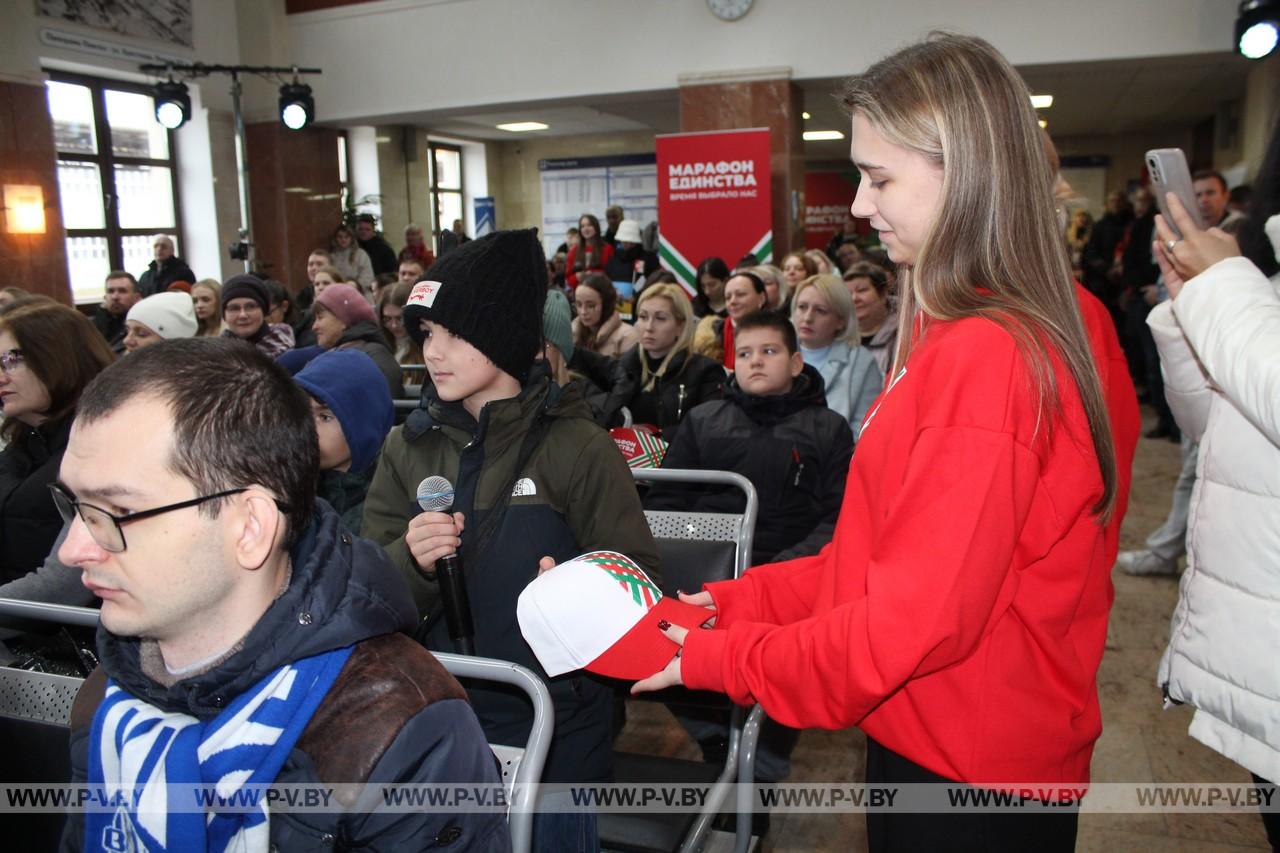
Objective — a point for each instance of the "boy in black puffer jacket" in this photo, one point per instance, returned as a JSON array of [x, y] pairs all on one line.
[[774, 428]]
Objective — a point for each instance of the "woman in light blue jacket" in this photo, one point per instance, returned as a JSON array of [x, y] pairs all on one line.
[[822, 313]]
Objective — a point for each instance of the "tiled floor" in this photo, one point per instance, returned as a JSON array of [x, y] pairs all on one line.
[[1140, 742]]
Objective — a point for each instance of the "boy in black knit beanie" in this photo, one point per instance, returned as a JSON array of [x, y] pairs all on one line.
[[533, 476]]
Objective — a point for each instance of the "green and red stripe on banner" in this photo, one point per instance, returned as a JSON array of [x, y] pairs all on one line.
[[713, 199]]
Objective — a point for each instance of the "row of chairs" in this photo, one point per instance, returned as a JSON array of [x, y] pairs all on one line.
[[696, 548]]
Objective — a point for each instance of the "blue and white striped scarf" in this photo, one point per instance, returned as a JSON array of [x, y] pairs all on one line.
[[137, 751]]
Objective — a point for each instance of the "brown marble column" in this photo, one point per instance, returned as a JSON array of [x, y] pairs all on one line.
[[773, 103], [294, 195], [34, 262]]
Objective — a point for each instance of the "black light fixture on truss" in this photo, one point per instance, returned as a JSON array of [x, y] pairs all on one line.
[[297, 107], [173, 103], [1258, 28], [173, 108]]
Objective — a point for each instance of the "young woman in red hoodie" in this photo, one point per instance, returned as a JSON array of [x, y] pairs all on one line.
[[959, 614]]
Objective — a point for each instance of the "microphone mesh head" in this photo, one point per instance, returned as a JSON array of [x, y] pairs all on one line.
[[435, 494]]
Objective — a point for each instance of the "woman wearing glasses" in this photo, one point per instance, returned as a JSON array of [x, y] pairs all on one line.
[[48, 353]]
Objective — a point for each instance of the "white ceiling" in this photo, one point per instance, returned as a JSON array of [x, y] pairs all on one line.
[[1090, 98]]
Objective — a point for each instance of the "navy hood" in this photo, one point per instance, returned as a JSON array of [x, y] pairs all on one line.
[[350, 383]]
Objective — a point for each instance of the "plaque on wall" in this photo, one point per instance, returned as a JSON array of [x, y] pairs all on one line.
[[158, 20]]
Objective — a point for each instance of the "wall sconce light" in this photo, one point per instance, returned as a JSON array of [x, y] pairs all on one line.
[[24, 209]]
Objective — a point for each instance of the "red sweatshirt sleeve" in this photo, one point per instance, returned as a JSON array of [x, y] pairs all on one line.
[[776, 593], [938, 577]]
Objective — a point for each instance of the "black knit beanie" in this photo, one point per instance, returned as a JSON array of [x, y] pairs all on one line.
[[245, 285], [489, 292]]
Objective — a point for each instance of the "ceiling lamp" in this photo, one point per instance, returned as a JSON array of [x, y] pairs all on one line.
[[522, 126]]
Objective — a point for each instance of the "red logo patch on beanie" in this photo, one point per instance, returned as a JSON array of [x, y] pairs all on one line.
[[424, 293]]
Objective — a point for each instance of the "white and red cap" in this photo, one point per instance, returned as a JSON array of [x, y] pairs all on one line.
[[600, 612]]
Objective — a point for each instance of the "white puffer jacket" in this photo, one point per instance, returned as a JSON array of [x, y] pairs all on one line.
[[1220, 352]]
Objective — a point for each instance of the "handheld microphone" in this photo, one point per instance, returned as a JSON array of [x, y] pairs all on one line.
[[435, 494]]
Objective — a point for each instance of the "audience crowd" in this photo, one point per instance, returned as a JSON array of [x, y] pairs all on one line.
[[767, 371]]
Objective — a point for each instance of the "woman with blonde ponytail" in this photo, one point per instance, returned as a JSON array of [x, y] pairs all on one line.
[[959, 615]]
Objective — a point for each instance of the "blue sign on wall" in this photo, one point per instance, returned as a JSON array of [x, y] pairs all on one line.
[[485, 216]]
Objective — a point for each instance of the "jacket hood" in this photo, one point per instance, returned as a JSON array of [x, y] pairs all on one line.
[[807, 390], [342, 590], [352, 386], [361, 331]]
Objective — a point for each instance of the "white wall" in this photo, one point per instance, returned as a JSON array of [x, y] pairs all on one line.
[[362, 154], [404, 57]]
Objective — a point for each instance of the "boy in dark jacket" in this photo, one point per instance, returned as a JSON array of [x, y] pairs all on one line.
[[774, 428], [533, 476], [353, 413]]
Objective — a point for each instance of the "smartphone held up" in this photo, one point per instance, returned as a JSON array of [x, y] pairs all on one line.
[[1169, 174]]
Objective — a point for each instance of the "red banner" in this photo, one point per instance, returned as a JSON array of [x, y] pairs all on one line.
[[713, 199], [827, 196]]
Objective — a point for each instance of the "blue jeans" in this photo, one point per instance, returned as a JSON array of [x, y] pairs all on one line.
[[564, 832]]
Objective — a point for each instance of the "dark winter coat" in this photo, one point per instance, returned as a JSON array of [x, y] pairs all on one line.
[[29, 522], [792, 448], [345, 491], [112, 327], [367, 338], [573, 494], [393, 716], [382, 257], [690, 380], [158, 277], [621, 266]]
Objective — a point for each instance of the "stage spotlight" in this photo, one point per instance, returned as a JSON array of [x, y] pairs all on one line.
[[297, 107], [1258, 28], [173, 104]]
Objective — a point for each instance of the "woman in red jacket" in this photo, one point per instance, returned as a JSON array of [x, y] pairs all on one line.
[[959, 614], [591, 253]]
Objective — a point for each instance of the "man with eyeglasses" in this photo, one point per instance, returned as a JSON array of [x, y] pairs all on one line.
[[246, 639]]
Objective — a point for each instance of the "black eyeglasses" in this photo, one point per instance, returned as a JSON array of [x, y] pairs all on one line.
[[105, 527]]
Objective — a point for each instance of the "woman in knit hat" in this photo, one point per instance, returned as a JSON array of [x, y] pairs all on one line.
[[344, 320], [244, 310], [534, 477], [162, 317]]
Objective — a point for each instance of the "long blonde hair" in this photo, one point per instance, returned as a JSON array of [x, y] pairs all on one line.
[[683, 311], [957, 102], [211, 326], [836, 292]]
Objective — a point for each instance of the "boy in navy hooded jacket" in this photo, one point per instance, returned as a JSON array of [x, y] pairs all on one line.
[[353, 413]]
